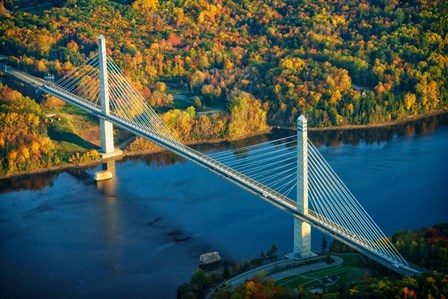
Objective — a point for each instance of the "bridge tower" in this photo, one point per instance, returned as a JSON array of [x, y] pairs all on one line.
[[107, 131], [302, 230]]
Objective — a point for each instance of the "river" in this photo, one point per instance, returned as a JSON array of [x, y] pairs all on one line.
[[141, 234]]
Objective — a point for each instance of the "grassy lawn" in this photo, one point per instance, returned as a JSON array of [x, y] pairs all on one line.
[[78, 131], [352, 269], [67, 140], [74, 132]]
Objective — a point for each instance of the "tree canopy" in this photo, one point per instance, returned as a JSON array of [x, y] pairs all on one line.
[[340, 62]]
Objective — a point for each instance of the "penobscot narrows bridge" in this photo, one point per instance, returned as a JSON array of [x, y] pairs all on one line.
[[292, 166]]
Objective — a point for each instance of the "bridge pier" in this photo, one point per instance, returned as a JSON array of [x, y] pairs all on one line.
[[302, 230], [107, 131], [108, 149], [107, 172]]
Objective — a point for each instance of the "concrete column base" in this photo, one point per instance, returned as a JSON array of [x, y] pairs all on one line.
[[302, 238], [107, 172], [103, 175], [116, 153]]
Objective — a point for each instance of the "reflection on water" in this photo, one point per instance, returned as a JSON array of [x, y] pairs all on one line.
[[125, 237], [28, 182], [161, 159], [111, 217], [333, 138], [108, 187], [81, 173], [39, 181], [378, 135]]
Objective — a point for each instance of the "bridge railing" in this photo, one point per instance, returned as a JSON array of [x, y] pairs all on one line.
[[242, 180]]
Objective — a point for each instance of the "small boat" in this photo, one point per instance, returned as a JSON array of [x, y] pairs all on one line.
[[209, 258]]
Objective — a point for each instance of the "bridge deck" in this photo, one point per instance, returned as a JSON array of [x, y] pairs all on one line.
[[267, 194]]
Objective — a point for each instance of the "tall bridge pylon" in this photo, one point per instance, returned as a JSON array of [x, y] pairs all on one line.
[[106, 128], [272, 170], [107, 131], [302, 230]]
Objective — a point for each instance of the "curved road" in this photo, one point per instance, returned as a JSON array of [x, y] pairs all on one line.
[[294, 268]]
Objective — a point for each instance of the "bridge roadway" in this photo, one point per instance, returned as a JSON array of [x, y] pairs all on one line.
[[25, 77], [267, 194]]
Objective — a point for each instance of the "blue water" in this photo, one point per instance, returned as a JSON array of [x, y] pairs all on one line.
[[141, 234]]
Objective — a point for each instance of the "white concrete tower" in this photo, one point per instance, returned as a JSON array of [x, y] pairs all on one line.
[[302, 230], [107, 132]]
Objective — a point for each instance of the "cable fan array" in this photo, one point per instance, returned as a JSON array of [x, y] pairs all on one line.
[[274, 164], [337, 207], [83, 82], [125, 101]]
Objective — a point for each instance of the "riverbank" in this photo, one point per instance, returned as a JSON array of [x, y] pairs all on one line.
[[124, 155], [373, 126], [51, 169], [197, 143], [217, 141]]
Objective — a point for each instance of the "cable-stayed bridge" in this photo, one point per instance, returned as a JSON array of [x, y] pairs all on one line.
[[289, 173]]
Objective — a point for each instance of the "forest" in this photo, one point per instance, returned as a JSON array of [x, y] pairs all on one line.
[[339, 62], [427, 248], [23, 144]]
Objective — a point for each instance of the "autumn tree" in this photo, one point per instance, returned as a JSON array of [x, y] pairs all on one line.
[[145, 5], [23, 146], [246, 115]]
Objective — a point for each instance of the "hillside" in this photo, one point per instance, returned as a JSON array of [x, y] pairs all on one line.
[[341, 62]]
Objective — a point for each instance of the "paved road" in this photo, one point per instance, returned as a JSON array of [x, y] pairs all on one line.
[[305, 268], [269, 268], [27, 78], [273, 273]]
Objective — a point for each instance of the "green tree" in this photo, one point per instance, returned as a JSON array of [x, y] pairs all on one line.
[[272, 253], [199, 282]]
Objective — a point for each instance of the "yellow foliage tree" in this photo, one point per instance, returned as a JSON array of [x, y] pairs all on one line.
[[409, 100], [246, 115], [145, 5]]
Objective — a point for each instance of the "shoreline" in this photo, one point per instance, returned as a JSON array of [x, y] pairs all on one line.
[[124, 155], [391, 123], [221, 140]]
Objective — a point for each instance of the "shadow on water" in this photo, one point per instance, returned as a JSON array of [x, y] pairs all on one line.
[[81, 173]]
